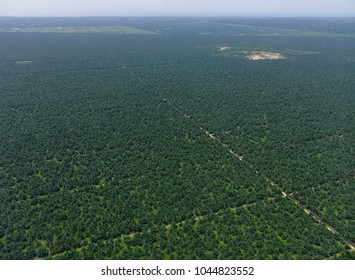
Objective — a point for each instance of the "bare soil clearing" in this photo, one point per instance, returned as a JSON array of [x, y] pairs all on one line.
[[222, 49], [23, 62], [265, 55]]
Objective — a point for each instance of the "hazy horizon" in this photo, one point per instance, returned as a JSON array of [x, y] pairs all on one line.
[[183, 8], [178, 16]]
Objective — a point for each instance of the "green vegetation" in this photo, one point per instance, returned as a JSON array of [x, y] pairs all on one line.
[[165, 147], [263, 230]]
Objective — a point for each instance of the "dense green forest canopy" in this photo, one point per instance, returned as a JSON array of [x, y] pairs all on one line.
[[196, 139]]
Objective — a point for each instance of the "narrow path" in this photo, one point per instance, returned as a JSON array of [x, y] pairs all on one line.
[[92, 29], [240, 157]]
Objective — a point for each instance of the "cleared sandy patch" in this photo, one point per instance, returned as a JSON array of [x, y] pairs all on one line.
[[265, 55], [23, 62], [222, 49]]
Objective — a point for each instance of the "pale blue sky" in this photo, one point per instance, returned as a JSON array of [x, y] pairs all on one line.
[[177, 8]]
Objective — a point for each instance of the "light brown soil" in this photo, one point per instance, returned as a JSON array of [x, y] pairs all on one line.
[[23, 62], [265, 55], [221, 49]]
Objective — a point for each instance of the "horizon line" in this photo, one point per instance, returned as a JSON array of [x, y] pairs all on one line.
[[178, 16]]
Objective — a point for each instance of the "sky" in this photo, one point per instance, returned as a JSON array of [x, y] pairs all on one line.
[[332, 8]]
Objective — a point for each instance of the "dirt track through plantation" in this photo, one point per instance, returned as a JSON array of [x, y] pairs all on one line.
[[306, 210], [192, 218], [283, 192], [241, 158]]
